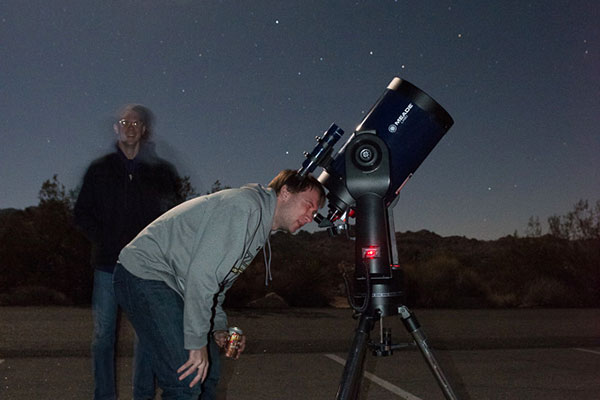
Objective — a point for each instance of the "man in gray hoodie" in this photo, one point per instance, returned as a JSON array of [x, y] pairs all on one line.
[[172, 278]]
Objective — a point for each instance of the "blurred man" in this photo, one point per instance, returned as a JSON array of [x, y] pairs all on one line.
[[121, 193], [172, 278]]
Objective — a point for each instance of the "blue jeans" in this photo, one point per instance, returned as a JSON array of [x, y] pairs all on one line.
[[156, 312], [105, 312]]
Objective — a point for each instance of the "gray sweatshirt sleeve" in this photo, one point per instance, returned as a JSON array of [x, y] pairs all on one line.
[[220, 247]]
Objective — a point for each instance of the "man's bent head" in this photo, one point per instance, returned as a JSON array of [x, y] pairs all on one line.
[[298, 200], [296, 184]]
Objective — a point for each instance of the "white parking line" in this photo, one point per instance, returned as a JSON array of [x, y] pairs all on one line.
[[381, 382], [588, 351]]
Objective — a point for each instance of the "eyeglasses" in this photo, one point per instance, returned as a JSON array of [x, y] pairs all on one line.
[[124, 123]]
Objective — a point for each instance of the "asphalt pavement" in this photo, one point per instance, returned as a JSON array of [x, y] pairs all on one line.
[[298, 354]]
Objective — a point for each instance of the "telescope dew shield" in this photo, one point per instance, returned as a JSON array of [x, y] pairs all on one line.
[[410, 123]]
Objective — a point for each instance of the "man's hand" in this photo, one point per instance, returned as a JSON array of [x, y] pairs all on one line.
[[198, 362], [221, 338]]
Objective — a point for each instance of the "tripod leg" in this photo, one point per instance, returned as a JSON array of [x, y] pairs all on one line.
[[352, 375], [414, 328]]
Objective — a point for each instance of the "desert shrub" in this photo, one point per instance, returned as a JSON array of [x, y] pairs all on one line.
[[547, 292], [305, 284], [443, 281], [249, 286], [304, 269], [503, 300], [40, 248], [33, 296], [299, 283]]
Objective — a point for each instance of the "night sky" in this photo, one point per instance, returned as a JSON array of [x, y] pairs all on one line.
[[241, 88]]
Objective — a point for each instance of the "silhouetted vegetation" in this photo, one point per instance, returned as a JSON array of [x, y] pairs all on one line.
[[41, 248], [45, 260]]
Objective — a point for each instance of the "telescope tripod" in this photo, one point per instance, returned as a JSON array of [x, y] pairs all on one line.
[[351, 378]]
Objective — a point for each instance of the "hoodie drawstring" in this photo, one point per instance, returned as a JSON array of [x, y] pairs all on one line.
[[268, 276]]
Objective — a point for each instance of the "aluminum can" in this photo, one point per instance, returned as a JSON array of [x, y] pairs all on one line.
[[233, 342]]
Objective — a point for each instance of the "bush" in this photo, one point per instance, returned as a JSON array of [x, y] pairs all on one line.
[[443, 281], [40, 248], [34, 296], [547, 292], [305, 284], [301, 279]]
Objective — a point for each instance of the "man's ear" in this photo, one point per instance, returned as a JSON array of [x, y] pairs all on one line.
[[116, 128], [284, 193]]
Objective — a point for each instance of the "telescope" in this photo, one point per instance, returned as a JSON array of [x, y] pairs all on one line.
[[364, 179]]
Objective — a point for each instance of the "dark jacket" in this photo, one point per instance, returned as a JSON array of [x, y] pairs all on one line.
[[119, 197]]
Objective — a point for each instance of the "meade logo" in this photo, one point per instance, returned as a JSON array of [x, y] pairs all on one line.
[[394, 127]]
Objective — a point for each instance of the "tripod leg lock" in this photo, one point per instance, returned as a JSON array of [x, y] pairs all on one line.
[[409, 319]]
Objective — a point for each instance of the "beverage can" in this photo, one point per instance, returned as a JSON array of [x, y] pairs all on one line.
[[233, 342]]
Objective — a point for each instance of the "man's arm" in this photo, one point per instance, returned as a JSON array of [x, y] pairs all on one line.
[[170, 186], [85, 211], [221, 247]]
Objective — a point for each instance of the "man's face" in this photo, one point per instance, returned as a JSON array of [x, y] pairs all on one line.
[[296, 209], [130, 128]]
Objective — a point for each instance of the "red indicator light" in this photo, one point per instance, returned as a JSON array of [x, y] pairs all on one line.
[[370, 253]]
